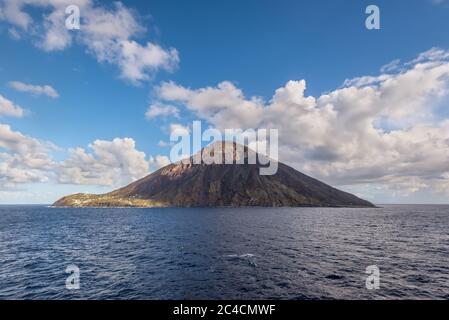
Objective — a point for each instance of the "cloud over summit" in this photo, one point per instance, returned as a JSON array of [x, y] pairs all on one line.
[[384, 129]]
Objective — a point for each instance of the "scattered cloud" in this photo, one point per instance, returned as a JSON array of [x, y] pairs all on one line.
[[165, 144], [108, 33], [439, 2], [34, 89], [14, 33], [8, 108], [391, 67], [159, 162], [177, 129], [23, 159], [224, 104], [110, 163], [161, 110], [434, 54]]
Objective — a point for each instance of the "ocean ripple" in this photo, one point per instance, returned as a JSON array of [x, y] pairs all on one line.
[[301, 253]]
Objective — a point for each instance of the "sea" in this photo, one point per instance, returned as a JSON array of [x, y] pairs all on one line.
[[390, 252]]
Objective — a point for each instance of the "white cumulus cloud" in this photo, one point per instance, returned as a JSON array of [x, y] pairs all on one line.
[[111, 163], [114, 163], [8, 108], [384, 129], [159, 162], [177, 129], [23, 159], [161, 110], [108, 33], [34, 89]]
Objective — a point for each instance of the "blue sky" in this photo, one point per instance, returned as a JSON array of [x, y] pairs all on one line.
[[258, 46]]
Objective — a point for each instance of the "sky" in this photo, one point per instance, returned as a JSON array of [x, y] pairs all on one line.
[[92, 109]]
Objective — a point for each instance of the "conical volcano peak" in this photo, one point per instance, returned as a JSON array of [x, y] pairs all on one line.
[[224, 144], [224, 152], [220, 185]]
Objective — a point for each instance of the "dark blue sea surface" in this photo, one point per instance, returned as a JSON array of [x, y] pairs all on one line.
[[302, 253]]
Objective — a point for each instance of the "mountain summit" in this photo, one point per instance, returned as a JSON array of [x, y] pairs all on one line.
[[195, 183]]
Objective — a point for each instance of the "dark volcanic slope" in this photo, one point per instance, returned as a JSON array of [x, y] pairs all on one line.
[[189, 185], [236, 185]]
